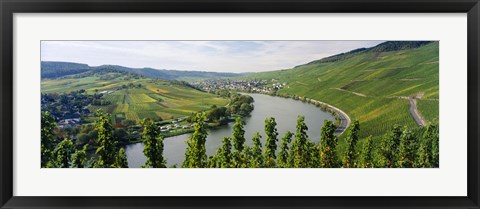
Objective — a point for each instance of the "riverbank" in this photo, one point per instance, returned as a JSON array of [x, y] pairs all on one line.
[[284, 110], [342, 117], [343, 120]]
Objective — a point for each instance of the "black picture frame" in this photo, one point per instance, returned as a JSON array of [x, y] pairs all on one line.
[[9, 7]]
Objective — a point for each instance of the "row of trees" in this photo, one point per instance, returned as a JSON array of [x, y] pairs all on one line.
[[399, 147]]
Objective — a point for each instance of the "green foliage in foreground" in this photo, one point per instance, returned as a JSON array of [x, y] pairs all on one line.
[[299, 154], [238, 143], [283, 155], [79, 158], [63, 151], [153, 144], [400, 147], [328, 143], [65, 154], [195, 155], [47, 139], [351, 141], [410, 149], [271, 142], [106, 150]]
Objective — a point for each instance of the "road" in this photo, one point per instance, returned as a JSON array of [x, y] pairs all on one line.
[[414, 112], [344, 119]]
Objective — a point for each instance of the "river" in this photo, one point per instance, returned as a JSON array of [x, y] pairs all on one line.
[[284, 111]]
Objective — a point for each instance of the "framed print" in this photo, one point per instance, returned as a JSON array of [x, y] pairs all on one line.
[[196, 104]]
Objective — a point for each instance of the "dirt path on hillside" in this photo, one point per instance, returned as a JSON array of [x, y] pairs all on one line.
[[302, 83], [356, 93], [414, 111]]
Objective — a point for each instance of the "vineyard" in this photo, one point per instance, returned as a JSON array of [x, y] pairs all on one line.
[[371, 86], [136, 99]]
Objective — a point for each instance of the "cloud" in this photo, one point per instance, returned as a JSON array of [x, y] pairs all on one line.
[[218, 56]]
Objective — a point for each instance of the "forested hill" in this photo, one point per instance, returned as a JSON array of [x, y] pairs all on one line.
[[372, 85], [59, 69], [51, 70]]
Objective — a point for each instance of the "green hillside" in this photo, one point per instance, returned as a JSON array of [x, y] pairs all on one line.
[[53, 70], [135, 98], [372, 85]]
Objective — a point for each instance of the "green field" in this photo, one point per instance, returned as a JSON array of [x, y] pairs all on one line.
[[152, 99], [370, 86]]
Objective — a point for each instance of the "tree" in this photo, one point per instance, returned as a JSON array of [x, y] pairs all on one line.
[[246, 156], [427, 155], [407, 150], [48, 139], [328, 144], [299, 152], [213, 160], [313, 156], [270, 143], [245, 108], [283, 155], [92, 163], [225, 158], [366, 158], [153, 144], [256, 160], [195, 155], [435, 145], [121, 136], [106, 150], [121, 161], [79, 157], [351, 141], [63, 152], [389, 147], [128, 123], [238, 142], [215, 113], [423, 159]]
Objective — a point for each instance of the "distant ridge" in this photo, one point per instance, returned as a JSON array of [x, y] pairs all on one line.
[[383, 47], [398, 45], [59, 69], [53, 69]]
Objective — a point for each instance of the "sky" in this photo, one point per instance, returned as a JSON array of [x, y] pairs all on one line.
[[216, 56]]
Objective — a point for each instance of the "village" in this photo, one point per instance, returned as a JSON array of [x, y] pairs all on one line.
[[251, 86], [71, 109]]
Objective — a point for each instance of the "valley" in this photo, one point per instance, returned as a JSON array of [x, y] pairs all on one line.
[[385, 95]]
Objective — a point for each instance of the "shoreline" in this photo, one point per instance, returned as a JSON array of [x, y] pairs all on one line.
[[344, 118]]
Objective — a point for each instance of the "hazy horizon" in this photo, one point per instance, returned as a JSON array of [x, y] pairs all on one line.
[[210, 56]]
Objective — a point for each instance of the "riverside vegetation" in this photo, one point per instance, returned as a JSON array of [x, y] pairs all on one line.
[[399, 148]]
